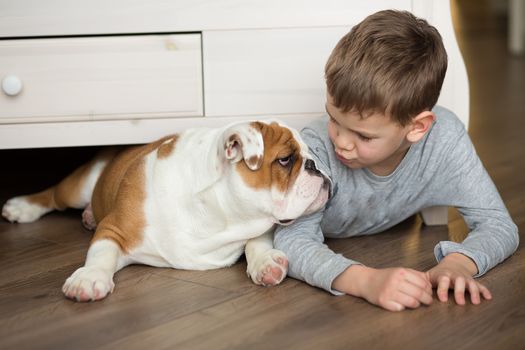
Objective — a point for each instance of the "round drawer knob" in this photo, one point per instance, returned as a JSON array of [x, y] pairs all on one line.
[[12, 85]]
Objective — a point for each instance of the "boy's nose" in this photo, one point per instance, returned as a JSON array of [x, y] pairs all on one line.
[[344, 144]]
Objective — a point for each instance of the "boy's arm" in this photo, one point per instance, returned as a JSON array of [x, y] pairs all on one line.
[[309, 259], [455, 271], [493, 236], [393, 288], [312, 261]]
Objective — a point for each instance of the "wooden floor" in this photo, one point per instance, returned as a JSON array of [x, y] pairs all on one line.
[[162, 308]]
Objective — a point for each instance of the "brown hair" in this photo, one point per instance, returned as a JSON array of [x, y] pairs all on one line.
[[392, 62]]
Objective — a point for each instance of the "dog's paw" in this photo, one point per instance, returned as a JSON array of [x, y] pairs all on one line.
[[20, 209], [88, 219], [269, 268], [88, 283]]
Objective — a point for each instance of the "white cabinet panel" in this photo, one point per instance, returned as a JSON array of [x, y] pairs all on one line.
[[70, 17], [267, 72], [126, 71], [107, 77], [113, 132]]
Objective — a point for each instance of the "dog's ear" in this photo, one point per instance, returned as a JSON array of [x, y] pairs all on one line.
[[244, 141]]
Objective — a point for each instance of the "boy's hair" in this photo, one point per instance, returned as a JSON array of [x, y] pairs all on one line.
[[392, 62]]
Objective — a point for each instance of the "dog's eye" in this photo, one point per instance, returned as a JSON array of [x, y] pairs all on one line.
[[285, 161]]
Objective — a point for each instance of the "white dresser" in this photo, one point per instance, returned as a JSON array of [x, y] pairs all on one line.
[[98, 72]]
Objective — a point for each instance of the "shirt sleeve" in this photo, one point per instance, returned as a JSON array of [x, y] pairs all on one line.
[[309, 259], [493, 235]]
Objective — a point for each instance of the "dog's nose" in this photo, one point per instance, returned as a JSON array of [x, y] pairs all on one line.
[[310, 167]]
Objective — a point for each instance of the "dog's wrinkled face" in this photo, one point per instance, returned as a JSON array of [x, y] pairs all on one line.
[[283, 177]]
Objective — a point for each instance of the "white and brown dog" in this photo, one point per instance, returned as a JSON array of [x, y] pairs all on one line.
[[196, 200]]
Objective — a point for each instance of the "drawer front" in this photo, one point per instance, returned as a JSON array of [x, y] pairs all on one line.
[[98, 78], [267, 72]]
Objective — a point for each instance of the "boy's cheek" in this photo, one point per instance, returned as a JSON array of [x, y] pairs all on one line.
[[373, 149], [331, 131]]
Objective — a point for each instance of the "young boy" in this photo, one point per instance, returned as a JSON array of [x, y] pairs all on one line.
[[389, 155]]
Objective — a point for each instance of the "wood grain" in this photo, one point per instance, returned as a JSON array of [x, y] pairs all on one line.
[[171, 309]]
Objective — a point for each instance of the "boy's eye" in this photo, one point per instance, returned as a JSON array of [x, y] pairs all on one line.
[[360, 136], [363, 138]]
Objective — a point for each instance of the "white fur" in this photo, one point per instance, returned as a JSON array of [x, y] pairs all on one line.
[[266, 266], [95, 280], [199, 212], [210, 223], [19, 209], [210, 213], [90, 182]]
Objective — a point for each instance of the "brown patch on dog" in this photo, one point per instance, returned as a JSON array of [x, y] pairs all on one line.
[[254, 162], [278, 143], [167, 147], [124, 222], [67, 193], [118, 198]]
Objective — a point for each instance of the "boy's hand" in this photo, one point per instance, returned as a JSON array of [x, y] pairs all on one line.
[[455, 271], [393, 289]]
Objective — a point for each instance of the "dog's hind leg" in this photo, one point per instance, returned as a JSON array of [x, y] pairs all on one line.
[[74, 191], [88, 219]]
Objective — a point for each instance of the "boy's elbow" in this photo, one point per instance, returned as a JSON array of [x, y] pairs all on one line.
[[515, 236], [511, 238]]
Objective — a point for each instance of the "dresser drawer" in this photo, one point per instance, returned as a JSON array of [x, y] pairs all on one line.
[[101, 78]]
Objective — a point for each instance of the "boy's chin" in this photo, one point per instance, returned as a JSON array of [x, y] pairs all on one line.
[[355, 166], [352, 164]]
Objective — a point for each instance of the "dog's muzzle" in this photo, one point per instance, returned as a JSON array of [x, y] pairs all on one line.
[[311, 168]]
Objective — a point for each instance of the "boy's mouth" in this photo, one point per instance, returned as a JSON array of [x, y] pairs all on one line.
[[343, 159], [348, 162]]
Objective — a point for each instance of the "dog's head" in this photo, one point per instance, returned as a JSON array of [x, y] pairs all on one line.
[[276, 171]]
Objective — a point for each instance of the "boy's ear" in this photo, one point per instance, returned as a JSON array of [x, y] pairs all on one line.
[[419, 126]]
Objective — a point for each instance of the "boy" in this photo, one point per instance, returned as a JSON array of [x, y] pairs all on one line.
[[389, 155]]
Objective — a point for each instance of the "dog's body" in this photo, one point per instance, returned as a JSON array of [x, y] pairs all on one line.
[[191, 201]]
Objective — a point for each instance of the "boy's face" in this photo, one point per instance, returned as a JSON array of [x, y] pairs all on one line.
[[374, 142]]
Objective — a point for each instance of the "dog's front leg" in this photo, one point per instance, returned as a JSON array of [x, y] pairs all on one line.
[[266, 266], [95, 280]]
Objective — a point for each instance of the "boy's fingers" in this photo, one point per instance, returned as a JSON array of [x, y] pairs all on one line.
[[423, 275], [459, 290], [393, 306], [407, 300], [442, 288], [422, 295], [473, 289], [485, 291], [420, 280]]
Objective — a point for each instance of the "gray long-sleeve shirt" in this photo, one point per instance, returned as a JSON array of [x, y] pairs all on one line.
[[442, 169]]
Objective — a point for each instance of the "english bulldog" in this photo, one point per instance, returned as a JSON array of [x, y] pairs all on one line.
[[195, 200]]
